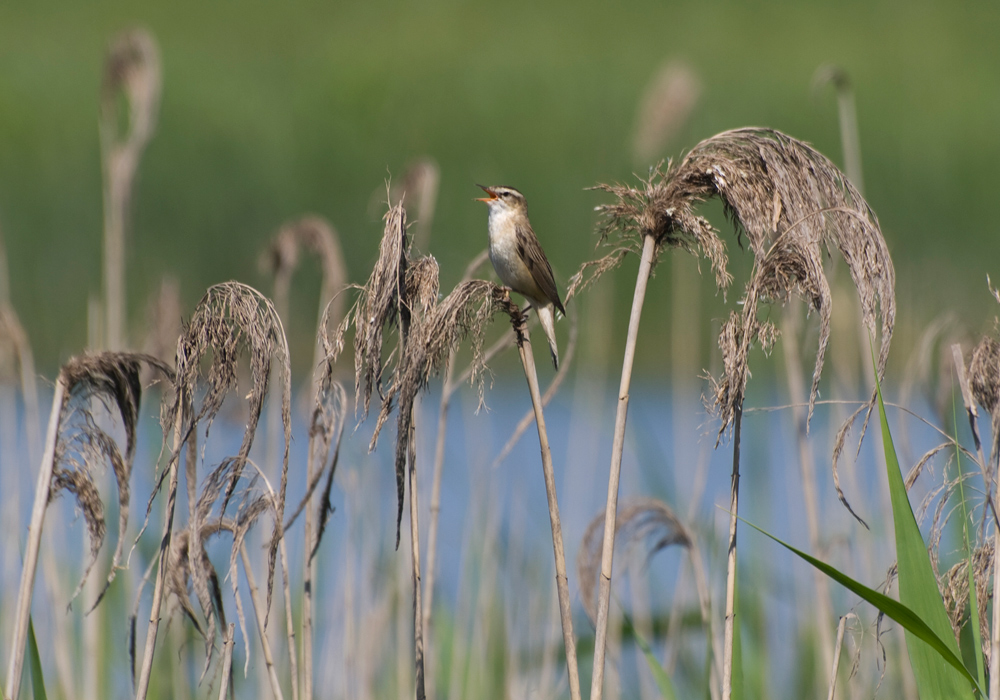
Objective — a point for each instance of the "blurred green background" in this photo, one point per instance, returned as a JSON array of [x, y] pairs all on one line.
[[270, 110]]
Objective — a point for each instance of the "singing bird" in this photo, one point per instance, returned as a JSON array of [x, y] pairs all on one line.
[[519, 260]]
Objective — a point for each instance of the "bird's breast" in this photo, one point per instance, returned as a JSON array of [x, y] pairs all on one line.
[[506, 259]]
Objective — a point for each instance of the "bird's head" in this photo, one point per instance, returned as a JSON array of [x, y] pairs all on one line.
[[504, 198]]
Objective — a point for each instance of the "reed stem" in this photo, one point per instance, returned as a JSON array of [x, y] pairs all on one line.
[[562, 582], [259, 613], [23, 613], [142, 687], [835, 666], [418, 611], [227, 661], [730, 629], [618, 446]]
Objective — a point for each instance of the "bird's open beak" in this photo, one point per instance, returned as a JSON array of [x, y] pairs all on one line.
[[487, 190]]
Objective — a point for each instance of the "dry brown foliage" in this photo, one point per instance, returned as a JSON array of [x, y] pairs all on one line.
[[954, 585], [792, 205], [109, 380], [464, 313], [640, 521], [231, 319]]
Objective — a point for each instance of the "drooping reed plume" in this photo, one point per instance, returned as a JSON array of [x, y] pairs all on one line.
[[231, 320], [75, 446], [132, 70], [651, 524], [791, 204]]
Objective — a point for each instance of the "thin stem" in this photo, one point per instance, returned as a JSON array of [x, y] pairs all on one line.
[[293, 663], [418, 611], [995, 632], [836, 656], [227, 661], [154, 614], [562, 582], [727, 650], [435, 509], [34, 540], [618, 446], [258, 610]]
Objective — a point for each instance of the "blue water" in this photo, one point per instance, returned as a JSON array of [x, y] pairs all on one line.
[[495, 542]]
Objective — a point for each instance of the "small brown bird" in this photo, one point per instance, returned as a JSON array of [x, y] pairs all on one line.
[[519, 260]]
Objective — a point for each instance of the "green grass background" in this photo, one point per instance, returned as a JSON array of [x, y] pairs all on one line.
[[270, 110]]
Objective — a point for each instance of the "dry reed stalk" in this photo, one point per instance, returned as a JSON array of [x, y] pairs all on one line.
[[132, 69], [23, 609], [447, 389], [74, 446], [835, 666], [562, 582], [142, 685], [550, 391], [227, 663], [790, 202], [260, 613], [618, 446]]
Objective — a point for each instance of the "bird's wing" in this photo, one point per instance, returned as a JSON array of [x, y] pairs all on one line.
[[530, 251]]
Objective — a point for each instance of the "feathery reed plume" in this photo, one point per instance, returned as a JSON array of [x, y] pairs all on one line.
[[131, 69], [652, 523], [790, 202], [380, 301], [464, 313], [233, 318], [666, 106], [73, 446], [639, 520]]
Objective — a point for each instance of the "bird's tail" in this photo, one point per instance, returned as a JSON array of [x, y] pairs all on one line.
[[547, 319]]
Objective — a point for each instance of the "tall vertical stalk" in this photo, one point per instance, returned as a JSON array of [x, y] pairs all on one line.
[[23, 612], [562, 582], [730, 629], [418, 611], [618, 446], [142, 687]]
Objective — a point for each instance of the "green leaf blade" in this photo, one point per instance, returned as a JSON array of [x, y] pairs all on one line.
[[918, 590], [893, 609]]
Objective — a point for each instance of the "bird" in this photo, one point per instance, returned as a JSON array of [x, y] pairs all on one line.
[[519, 260]]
